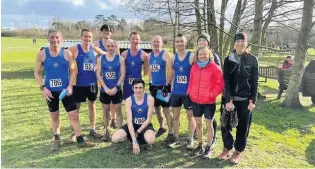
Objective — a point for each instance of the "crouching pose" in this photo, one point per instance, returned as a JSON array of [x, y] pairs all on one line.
[[138, 129]]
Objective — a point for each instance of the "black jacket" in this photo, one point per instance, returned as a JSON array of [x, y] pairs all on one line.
[[241, 79]]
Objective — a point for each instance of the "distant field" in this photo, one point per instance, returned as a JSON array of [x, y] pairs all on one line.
[[279, 138]]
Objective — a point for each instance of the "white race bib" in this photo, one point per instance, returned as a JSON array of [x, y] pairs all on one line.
[[182, 79], [139, 120], [55, 83], [154, 68], [110, 75], [130, 80], [88, 66]]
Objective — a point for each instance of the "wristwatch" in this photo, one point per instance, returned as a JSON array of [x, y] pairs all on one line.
[[134, 142], [118, 87], [42, 87]]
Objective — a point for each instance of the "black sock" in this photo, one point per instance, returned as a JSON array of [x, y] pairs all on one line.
[[80, 139], [57, 136]]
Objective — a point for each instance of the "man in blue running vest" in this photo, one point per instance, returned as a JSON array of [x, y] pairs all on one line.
[[85, 55], [139, 109], [110, 73], [106, 32], [160, 78], [57, 62], [134, 59], [182, 62]]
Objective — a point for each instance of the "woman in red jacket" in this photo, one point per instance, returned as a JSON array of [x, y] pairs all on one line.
[[205, 84]]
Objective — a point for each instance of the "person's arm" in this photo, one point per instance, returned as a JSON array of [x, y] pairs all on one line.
[[217, 59], [99, 73], [172, 72], [192, 59], [254, 81], [39, 67], [129, 120], [227, 80], [37, 73], [72, 69], [146, 64], [217, 77], [99, 52], [122, 70], [97, 44], [149, 73], [190, 80], [169, 66], [149, 116]]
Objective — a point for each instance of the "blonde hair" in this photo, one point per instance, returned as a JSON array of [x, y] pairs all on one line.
[[207, 50]]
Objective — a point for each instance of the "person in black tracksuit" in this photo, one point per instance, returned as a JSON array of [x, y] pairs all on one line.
[[241, 82], [204, 40]]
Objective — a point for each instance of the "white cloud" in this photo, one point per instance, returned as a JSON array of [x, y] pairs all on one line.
[[78, 2], [114, 2], [102, 5]]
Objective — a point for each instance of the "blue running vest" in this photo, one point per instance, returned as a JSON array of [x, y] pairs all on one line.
[[139, 112], [56, 71], [110, 71], [133, 70], [101, 45], [181, 74], [158, 69], [86, 63]]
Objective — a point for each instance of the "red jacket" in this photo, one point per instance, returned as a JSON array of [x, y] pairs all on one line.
[[205, 84]]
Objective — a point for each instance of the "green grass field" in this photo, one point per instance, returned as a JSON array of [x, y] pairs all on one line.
[[278, 137]]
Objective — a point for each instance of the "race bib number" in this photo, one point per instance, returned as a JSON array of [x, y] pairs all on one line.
[[110, 75], [88, 66], [182, 79], [154, 68], [139, 120], [130, 80], [55, 83]]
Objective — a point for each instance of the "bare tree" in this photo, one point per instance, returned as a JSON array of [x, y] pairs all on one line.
[[258, 22], [292, 97]]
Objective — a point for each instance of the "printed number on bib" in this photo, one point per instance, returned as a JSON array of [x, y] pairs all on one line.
[[139, 120], [88, 66], [182, 79], [110, 75], [130, 80], [55, 83], [154, 68]]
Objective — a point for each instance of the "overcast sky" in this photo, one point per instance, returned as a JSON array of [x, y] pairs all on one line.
[[39, 13]]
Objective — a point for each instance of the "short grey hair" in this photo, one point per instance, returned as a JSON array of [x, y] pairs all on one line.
[[50, 31]]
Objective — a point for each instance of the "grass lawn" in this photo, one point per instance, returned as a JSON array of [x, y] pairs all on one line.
[[278, 137]]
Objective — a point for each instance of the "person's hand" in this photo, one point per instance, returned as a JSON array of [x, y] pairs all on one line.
[[251, 106], [47, 94], [108, 91], [113, 91], [136, 149], [229, 106], [70, 90]]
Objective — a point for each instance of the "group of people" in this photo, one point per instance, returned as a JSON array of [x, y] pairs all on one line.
[[194, 80]]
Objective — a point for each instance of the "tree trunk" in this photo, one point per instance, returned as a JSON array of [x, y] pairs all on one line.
[[211, 29], [198, 16], [236, 20], [292, 94], [222, 16], [205, 13], [272, 10], [258, 21]]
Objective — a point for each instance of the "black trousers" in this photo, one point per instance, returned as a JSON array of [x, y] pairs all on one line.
[[242, 129]]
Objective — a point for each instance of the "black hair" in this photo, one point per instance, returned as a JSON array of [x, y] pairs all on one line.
[[106, 28], [180, 35], [137, 81]]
